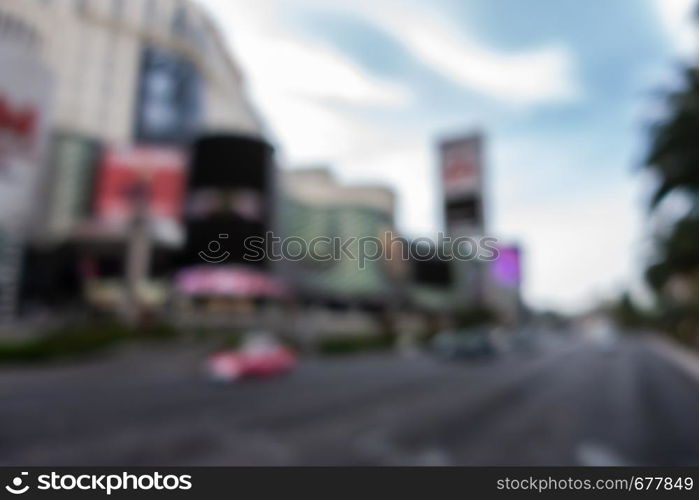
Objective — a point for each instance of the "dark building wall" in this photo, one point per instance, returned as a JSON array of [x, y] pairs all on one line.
[[50, 277]]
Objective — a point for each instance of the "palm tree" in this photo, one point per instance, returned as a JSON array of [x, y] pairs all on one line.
[[674, 152], [674, 157]]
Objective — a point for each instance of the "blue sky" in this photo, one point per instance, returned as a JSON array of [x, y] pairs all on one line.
[[564, 91]]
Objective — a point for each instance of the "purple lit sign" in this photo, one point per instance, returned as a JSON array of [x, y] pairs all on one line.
[[506, 270]]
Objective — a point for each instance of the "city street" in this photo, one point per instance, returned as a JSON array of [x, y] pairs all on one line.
[[568, 403]]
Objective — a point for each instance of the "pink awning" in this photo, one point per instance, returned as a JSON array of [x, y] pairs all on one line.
[[233, 281]]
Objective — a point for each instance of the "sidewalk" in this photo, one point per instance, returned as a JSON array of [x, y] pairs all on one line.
[[680, 356]]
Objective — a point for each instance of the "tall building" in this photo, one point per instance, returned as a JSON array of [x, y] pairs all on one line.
[[127, 72], [130, 71], [25, 90], [135, 83]]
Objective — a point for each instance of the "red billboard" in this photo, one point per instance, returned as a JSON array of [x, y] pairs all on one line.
[[155, 175]]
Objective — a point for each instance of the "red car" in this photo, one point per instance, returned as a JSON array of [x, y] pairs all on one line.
[[258, 358]]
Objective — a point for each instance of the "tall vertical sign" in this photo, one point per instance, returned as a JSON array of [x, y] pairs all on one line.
[[462, 172]]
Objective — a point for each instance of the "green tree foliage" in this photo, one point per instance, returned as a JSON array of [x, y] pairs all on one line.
[[674, 158], [674, 152]]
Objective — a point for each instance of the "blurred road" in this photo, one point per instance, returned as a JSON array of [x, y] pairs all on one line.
[[570, 403]]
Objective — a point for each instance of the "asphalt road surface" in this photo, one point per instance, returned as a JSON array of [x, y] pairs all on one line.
[[568, 403]]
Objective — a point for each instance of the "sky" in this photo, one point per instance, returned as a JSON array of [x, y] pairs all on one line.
[[563, 90]]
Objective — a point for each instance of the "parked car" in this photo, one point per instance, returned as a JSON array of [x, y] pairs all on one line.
[[259, 356], [471, 343]]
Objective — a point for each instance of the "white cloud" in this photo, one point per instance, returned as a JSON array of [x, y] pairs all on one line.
[[278, 61], [676, 19], [524, 77], [292, 66], [312, 132]]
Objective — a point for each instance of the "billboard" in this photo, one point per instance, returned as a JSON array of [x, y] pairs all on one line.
[[24, 96], [504, 284], [129, 175], [169, 98], [506, 271], [461, 166], [229, 193]]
